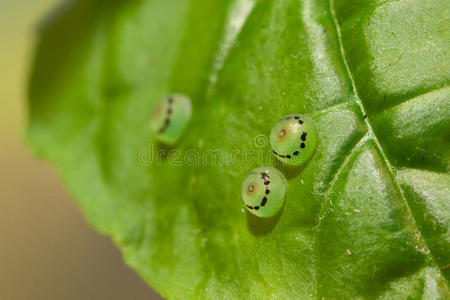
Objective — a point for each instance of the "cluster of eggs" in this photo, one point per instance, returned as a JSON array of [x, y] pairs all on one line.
[[293, 140]]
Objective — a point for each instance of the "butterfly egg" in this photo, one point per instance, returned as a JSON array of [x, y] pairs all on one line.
[[293, 139], [170, 118], [263, 191]]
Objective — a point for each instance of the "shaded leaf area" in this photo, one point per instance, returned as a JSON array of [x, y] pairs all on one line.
[[367, 217]]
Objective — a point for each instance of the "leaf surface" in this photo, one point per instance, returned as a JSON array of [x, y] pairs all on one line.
[[367, 217]]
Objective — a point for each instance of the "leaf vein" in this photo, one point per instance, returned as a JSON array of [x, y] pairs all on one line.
[[432, 91], [372, 134]]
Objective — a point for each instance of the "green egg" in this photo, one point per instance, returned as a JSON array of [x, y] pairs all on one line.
[[293, 139], [170, 118], [263, 191]]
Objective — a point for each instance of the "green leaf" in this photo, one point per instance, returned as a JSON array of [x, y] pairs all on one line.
[[367, 217]]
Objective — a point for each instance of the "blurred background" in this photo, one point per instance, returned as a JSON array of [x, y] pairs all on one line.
[[47, 250]]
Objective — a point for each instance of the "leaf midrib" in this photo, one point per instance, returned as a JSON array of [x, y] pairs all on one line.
[[371, 135]]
